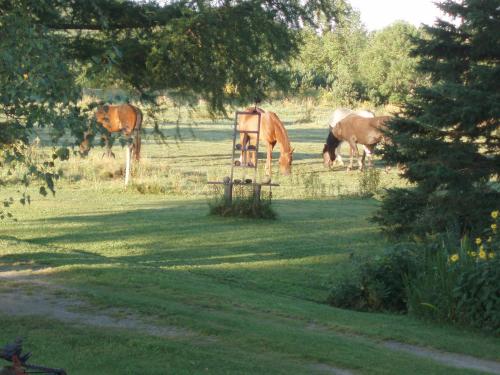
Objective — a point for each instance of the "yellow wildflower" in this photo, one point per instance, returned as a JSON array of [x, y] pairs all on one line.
[[454, 257], [494, 226], [494, 214], [26, 76], [489, 239], [491, 255], [482, 254], [478, 241], [472, 254]]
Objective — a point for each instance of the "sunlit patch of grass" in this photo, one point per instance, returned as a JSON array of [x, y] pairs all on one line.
[[198, 150]]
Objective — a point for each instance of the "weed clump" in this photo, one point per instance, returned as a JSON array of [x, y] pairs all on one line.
[[243, 204], [368, 182]]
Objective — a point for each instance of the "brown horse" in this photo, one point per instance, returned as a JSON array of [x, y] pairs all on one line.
[[355, 129], [272, 131], [123, 118]]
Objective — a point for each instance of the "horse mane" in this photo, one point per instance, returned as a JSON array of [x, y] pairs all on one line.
[[332, 143], [281, 133], [279, 128]]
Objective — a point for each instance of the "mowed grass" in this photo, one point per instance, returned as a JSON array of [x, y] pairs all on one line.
[[249, 295]]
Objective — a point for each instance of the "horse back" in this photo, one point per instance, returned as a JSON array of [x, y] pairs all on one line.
[[123, 117], [363, 130], [129, 117]]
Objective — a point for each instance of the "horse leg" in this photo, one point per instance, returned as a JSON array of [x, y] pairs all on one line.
[[107, 145], [243, 141], [353, 151], [269, 158], [361, 159], [338, 156], [368, 152], [252, 154]]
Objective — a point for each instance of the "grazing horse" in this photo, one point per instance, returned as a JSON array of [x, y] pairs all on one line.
[[123, 118], [338, 115], [272, 131], [355, 129]]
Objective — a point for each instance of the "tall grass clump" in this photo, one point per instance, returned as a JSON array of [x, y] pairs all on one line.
[[369, 182], [243, 204]]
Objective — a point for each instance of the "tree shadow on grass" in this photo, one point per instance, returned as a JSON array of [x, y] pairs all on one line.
[[299, 251]]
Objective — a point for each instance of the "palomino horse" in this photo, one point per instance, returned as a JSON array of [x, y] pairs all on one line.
[[338, 115], [272, 131], [355, 129], [123, 118]]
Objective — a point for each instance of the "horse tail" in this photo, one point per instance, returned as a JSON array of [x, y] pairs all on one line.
[[137, 130]]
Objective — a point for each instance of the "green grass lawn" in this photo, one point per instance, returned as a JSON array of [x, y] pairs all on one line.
[[249, 295]]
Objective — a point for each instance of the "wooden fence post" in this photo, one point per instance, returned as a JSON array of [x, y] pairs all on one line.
[[256, 193], [228, 193], [128, 152]]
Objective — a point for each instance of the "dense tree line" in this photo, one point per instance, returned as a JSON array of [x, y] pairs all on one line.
[[346, 64]]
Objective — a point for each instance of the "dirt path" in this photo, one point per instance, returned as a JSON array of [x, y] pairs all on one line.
[[17, 302], [456, 360], [448, 359]]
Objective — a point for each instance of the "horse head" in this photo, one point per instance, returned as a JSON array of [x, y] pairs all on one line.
[[329, 150], [102, 115], [285, 162], [327, 158]]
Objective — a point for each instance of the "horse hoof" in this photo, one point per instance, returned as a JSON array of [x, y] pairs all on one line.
[[238, 147], [226, 180], [248, 181], [250, 164], [237, 163], [237, 181]]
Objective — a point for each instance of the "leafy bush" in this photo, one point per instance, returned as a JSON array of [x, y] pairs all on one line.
[[432, 281], [379, 283], [460, 286], [477, 294]]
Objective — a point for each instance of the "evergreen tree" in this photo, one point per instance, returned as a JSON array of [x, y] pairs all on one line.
[[449, 137]]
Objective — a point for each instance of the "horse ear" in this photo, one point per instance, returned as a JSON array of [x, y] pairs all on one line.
[[105, 108]]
